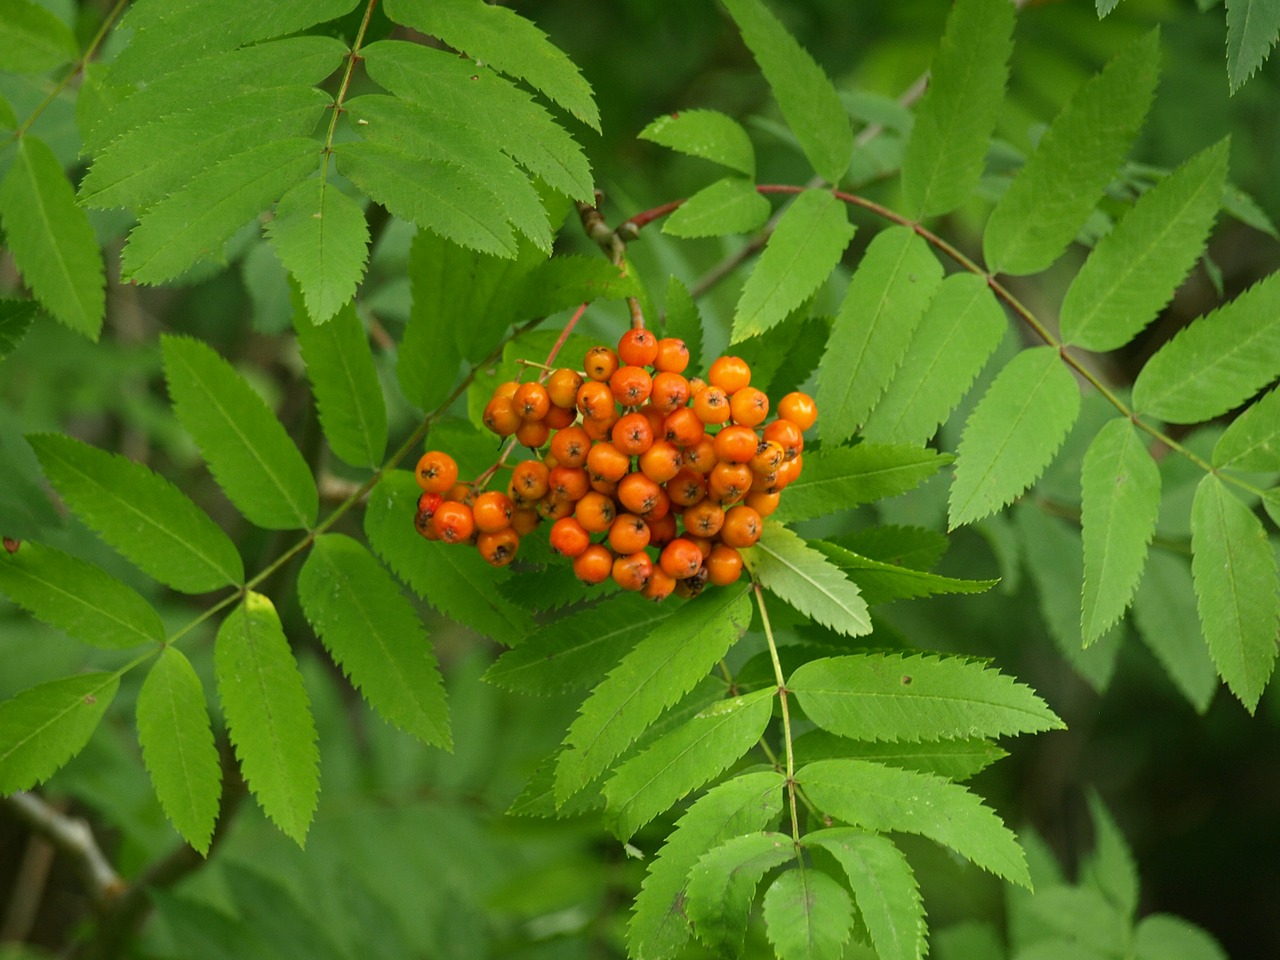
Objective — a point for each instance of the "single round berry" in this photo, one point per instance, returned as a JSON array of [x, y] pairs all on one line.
[[500, 416], [533, 433], [712, 405], [631, 386], [661, 461], [703, 519], [632, 434], [570, 446], [531, 480], [687, 487], [628, 534], [729, 482], [531, 401], [763, 503], [595, 400], [600, 363], [607, 462], [769, 456], [492, 511], [799, 408], [436, 471], [639, 494], [749, 406], [683, 427], [742, 526], [568, 537], [673, 355], [498, 547], [659, 586], [558, 418], [453, 521], [638, 348], [724, 565], [568, 483], [632, 572], [662, 530], [701, 456], [562, 387], [730, 374], [670, 392], [595, 512], [680, 559], [594, 564], [736, 444], [788, 436]]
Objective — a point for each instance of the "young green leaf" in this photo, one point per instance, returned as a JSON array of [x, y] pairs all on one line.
[[954, 120], [959, 331], [950, 759], [79, 598], [747, 803], [650, 678], [807, 915], [880, 582], [1162, 936], [731, 205], [345, 383], [268, 715], [1252, 442], [884, 888], [723, 883], [250, 454], [784, 564], [799, 256], [683, 760], [683, 320], [887, 296], [708, 134], [1218, 362], [320, 235], [1252, 26], [1134, 270], [141, 514], [50, 238], [805, 95], [881, 798], [178, 749], [894, 697], [45, 726], [33, 38], [15, 321], [1053, 195], [839, 478], [1164, 609], [1109, 868], [1013, 433], [1237, 590]]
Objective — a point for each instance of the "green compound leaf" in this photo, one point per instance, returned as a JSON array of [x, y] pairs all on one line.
[[839, 478], [799, 256], [1134, 270], [1218, 362], [1053, 195], [807, 915], [142, 515], [950, 759], [178, 748], [947, 151], [1164, 609], [33, 38], [881, 798], [375, 636], [723, 884], [684, 759], [1013, 433], [785, 565], [653, 676], [1252, 442], [507, 42], [731, 205], [268, 715], [887, 296], [895, 697], [320, 235], [745, 804], [881, 582], [51, 240], [250, 454], [708, 134], [1237, 591], [1252, 26], [79, 598], [884, 888], [45, 726], [345, 382], [1120, 501], [15, 320], [956, 336], [807, 98]]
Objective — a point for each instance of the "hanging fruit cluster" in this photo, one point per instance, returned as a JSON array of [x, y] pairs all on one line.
[[648, 477]]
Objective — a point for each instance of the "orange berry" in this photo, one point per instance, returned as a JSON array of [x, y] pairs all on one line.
[[595, 512], [729, 482], [730, 374], [799, 408], [562, 387], [769, 456], [637, 348], [498, 546], [736, 444], [628, 534], [692, 586], [594, 564], [453, 521], [702, 543], [607, 462], [661, 461], [639, 494], [632, 434], [558, 418], [524, 520], [570, 446], [742, 526], [687, 487], [680, 559], [672, 356], [461, 492], [662, 530], [711, 405], [530, 479], [506, 389], [701, 456], [788, 436], [600, 363], [632, 572], [659, 586], [670, 392], [492, 511], [749, 406], [683, 427], [631, 386], [595, 400], [703, 519], [422, 521], [763, 503], [568, 483], [533, 433], [599, 430], [568, 537], [532, 401], [500, 416], [724, 565], [553, 508], [436, 471]]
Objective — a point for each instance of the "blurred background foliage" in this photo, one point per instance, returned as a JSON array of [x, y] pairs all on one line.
[[411, 854]]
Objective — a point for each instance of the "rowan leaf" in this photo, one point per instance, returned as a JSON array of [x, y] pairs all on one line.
[[722, 885], [839, 478], [708, 134], [886, 299], [799, 575], [248, 451], [880, 582], [178, 748], [727, 206], [319, 234], [683, 320], [950, 759], [1162, 936], [1252, 441], [45, 726], [1109, 867], [807, 915], [33, 38], [1252, 29], [1164, 609], [16, 317]]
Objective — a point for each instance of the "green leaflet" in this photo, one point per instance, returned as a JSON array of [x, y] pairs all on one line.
[[1161, 936], [959, 331], [375, 636], [567, 281], [805, 95], [268, 715], [882, 798], [650, 678], [507, 42], [248, 451], [51, 240], [684, 759], [800, 254], [708, 134], [320, 235], [178, 748], [683, 321], [731, 205], [345, 383], [1164, 609], [1218, 362], [1120, 501], [783, 357], [894, 697], [1064, 922], [282, 923], [1013, 433], [1252, 442], [947, 150], [880, 582], [1252, 26], [1106, 6], [914, 548], [193, 222], [1109, 868], [45, 726], [1053, 195], [723, 883], [887, 296], [79, 598], [839, 478], [141, 514], [951, 759], [807, 915], [884, 888], [747, 803], [784, 564], [1237, 591], [33, 38], [15, 320]]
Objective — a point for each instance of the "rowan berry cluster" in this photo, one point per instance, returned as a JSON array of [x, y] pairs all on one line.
[[646, 476]]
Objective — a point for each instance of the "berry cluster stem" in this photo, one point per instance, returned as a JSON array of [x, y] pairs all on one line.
[[786, 711]]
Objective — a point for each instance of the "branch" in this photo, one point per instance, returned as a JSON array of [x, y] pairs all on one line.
[[73, 837]]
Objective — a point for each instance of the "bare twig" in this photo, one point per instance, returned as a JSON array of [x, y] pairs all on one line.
[[70, 836]]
